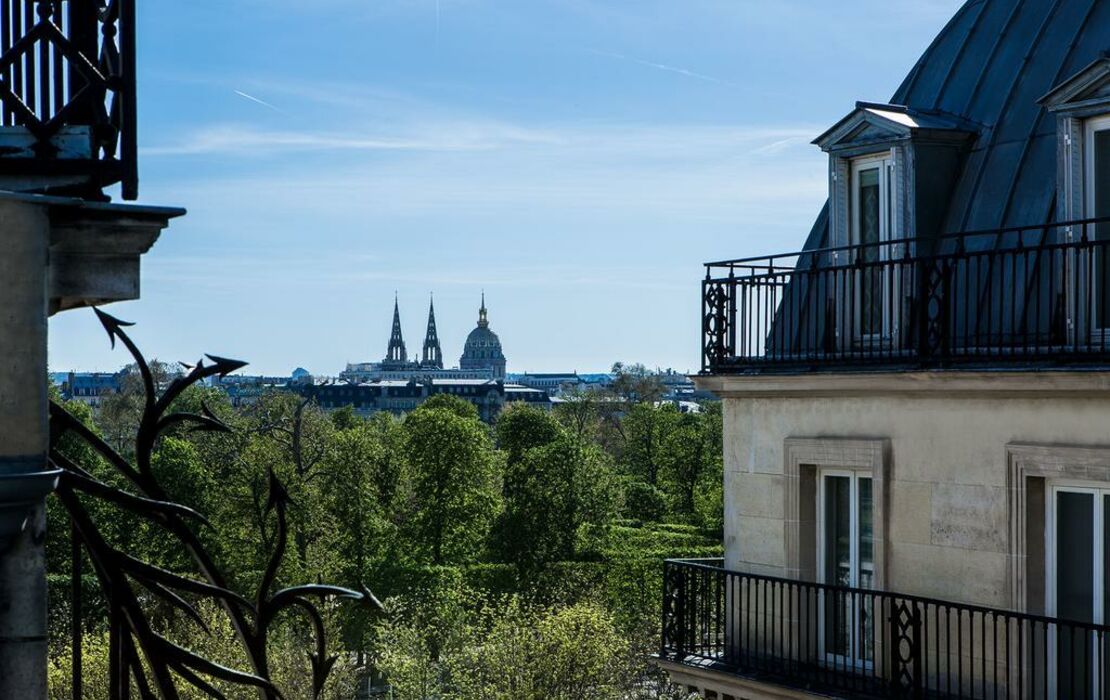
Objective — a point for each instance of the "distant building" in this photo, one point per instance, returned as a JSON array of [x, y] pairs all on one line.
[[246, 389], [482, 358], [400, 397], [90, 387], [362, 372], [681, 391], [553, 384], [483, 347]]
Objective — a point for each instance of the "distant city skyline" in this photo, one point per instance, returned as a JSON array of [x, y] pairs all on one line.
[[577, 159]]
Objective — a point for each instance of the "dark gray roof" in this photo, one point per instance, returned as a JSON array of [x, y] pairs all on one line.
[[989, 67]]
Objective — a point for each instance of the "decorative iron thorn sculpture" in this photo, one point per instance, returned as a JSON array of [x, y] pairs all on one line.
[[140, 649]]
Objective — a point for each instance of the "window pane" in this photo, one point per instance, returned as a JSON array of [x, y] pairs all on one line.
[[865, 608], [838, 564], [866, 535], [1074, 588], [838, 534], [1101, 184], [870, 213], [1100, 192]]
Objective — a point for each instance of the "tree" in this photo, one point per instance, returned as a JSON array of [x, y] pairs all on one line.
[[453, 484], [388, 472], [300, 431], [684, 457], [521, 427], [554, 485], [118, 415], [579, 412], [460, 407], [646, 429], [642, 501], [362, 536], [636, 383]]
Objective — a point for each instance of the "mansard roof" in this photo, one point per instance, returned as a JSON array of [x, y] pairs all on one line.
[[989, 67]]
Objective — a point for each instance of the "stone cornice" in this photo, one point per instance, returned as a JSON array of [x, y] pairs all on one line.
[[996, 383]]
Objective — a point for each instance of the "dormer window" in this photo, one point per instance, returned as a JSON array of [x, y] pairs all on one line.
[[891, 173], [1082, 108], [917, 154]]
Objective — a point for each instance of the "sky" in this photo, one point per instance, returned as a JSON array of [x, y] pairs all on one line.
[[576, 159]]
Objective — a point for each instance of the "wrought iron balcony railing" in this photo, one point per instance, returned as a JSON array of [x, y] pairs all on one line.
[[856, 642], [67, 93], [1034, 294]]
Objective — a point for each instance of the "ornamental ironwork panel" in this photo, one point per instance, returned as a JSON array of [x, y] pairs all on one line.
[[715, 323], [140, 655], [905, 649], [67, 77]]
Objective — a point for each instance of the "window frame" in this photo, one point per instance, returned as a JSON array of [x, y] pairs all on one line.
[[889, 230], [854, 476]]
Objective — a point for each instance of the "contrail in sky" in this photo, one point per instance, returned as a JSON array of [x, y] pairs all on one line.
[[252, 98], [664, 67]]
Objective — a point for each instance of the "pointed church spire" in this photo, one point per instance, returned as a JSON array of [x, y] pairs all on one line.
[[483, 321], [396, 354], [433, 355]]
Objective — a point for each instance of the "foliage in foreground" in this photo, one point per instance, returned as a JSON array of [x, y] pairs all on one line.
[[458, 644], [288, 661]]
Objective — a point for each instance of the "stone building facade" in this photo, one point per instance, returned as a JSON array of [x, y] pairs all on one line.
[[917, 471]]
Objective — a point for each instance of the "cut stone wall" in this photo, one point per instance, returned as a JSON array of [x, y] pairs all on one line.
[[949, 513]]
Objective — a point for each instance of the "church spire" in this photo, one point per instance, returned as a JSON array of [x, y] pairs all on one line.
[[433, 355], [483, 320], [396, 354]]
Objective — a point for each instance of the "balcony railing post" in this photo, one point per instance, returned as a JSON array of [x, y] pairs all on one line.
[[83, 29], [706, 360], [129, 129], [730, 319]]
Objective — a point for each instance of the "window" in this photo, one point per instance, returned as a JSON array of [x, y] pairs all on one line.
[[1078, 564], [846, 557], [872, 229], [1097, 202]]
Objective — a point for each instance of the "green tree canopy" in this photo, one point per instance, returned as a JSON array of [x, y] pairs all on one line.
[[453, 484]]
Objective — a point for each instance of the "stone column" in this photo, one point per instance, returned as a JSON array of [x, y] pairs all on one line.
[[24, 481]]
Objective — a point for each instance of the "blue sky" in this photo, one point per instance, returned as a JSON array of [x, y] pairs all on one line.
[[577, 159]]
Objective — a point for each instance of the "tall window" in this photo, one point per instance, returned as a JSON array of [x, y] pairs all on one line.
[[872, 230], [1078, 573], [846, 557], [1097, 195]]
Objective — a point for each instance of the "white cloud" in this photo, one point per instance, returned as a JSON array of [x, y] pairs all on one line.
[[664, 67], [239, 139]]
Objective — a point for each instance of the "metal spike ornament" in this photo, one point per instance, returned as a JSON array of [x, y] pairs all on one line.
[[153, 664]]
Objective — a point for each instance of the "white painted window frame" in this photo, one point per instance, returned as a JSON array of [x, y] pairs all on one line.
[[1098, 615], [854, 477], [884, 162], [1091, 126]]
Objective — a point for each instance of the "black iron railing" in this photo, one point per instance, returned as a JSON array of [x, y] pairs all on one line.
[[67, 92], [865, 643], [1031, 294]]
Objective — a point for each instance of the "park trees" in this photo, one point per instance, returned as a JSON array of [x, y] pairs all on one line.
[[452, 483], [555, 484]]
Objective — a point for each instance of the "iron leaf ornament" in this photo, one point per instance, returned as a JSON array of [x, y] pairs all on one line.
[[141, 655]]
